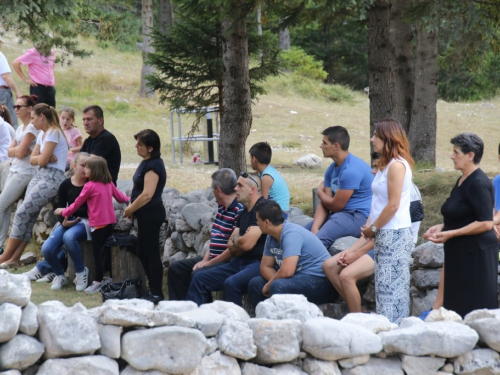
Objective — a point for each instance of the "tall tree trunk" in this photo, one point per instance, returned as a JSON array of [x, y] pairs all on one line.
[[165, 15], [422, 134], [236, 116], [147, 25], [284, 39], [400, 33], [380, 75]]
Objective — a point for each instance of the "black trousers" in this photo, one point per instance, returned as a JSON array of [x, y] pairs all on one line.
[[149, 221], [180, 274], [99, 237], [46, 94]]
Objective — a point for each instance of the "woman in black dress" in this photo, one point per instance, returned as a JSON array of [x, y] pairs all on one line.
[[470, 244], [147, 207]]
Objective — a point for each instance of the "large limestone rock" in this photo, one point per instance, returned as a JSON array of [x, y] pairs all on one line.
[[110, 337], [129, 370], [176, 306], [373, 322], [174, 350], [29, 319], [442, 339], [222, 307], [197, 215], [422, 300], [248, 368], [235, 338], [288, 369], [330, 340], [421, 365], [301, 220], [10, 320], [426, 279], [354, 361], [443, 315], [287, 306], [218, 363], [309, 161], [20, 353], [341, 244], [428, 255], [488, 328], [95, 365], [15, 289], [478, 362], [65, 332], [277, 340], [376, 366], [316, 366], [207, 321]]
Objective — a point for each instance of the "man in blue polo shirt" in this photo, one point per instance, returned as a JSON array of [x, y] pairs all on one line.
[[181, 272], [345, 194], [292, 261]]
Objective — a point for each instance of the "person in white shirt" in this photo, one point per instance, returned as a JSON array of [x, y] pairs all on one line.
[[7, 85]]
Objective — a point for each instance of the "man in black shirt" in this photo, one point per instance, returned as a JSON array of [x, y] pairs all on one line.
[[244, 248], [100, 141]]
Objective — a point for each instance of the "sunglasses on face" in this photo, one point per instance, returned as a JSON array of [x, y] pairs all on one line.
[[20, 106], [246, 175]]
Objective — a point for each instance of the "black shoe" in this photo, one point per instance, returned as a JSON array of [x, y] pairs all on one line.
[[152, 298]]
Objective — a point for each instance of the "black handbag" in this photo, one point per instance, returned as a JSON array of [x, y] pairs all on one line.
[[130, 288], [416, 207]]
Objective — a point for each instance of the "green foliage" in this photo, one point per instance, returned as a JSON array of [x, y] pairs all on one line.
[[291, 144], [298, 61]]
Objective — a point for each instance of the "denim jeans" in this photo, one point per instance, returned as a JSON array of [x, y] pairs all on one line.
[[44, 267], [232, 278], [339, 224], [316, 289], [7, 100], [70, 238]]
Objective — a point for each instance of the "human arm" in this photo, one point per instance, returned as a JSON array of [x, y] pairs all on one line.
[[16, 64], [79, 142], [46, 156], [151, 179], [356, 251], [22, 149], [7, 77], [118, 195], [239, 244], [269, 273], [395, 178], [266, 181], [334, 202], [471, 229], [79, 201]]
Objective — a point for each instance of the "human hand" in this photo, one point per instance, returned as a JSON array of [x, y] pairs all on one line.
[[321, 186], [30, 82], [433, 230], [58, 211], [440, 237], [266, 290], [128, 212], [28, 152], [69, 223], [366, 232], [200, 264], [53, 159]]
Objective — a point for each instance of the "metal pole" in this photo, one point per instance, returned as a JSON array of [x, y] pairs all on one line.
[[172, 135], [180, 136]]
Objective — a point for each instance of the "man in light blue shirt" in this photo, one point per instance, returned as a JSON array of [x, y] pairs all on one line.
[[292, 261], [345, 194]]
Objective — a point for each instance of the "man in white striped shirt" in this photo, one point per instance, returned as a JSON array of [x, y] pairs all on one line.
[[180, 273]]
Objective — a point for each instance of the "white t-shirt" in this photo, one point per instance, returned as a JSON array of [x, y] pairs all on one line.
[[5, 139], [61, 150], [23, 166], [380, 199], [4, 68]]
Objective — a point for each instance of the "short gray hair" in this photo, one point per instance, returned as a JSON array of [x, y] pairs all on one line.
[[225, 179], [469, 142]]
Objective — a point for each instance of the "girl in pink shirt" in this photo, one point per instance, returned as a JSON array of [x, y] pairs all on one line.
[[98, 193], [73, 135]]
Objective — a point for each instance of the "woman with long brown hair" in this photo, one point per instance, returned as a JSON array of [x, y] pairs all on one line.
[[389, 223]]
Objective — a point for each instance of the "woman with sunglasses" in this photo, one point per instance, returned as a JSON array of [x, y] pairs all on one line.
[[21, 171]]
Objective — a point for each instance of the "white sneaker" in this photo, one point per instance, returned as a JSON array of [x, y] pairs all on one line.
[[47, 278], [58, 282], [34, 274], [94, 287], [82, 280]]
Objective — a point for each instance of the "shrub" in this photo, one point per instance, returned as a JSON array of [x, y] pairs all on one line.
[[298, 61]]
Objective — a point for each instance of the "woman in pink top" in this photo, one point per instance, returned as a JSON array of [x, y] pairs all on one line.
[[98, 194]]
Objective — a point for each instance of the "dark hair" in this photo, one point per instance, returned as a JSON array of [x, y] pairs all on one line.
[[96, 109], [396, 143], [270, 210], [338, 134], [376, 155], [5, 114], [469, 142], [225, 179], [499, 149], [150, 138], [99, 171], [262, 152], [30, 100], [68, 110]]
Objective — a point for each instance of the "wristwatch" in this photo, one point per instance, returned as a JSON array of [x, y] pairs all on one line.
[[374, 229]]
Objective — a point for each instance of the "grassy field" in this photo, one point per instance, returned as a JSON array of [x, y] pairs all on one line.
[[290, 117]]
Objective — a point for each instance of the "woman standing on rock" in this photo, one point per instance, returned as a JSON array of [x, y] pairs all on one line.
[[389, 223], [147, 206], [470, 244], [49, 155]]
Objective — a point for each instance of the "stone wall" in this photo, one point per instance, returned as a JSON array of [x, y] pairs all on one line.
[[288, 336]]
